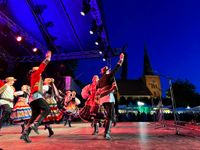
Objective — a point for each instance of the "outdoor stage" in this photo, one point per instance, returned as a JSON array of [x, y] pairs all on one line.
[[126, 135]]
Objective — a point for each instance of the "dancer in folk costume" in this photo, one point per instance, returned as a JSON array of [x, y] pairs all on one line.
[[50, 92], [40, 108], [21, 112], [6, 99], [68, 97], [92, 111], [70, 106], [76, 102], [105, 89]]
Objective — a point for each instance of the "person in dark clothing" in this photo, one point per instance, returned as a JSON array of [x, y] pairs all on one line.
[[105, 89], [40, 108]]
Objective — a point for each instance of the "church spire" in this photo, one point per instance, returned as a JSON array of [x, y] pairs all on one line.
[[147, 70]]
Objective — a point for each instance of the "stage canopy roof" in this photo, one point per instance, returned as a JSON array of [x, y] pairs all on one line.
[[55, 25]]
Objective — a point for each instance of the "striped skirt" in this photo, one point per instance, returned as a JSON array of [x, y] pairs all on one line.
[[21, 111], [55, 114]]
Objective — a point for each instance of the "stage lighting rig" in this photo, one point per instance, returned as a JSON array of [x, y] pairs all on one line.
[[98, 40], [96, 28], [85, 7]]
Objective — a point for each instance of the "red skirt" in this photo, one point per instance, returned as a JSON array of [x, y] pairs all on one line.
[[92, 110]]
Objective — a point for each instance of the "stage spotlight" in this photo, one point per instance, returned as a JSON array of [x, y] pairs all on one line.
[[98, 41], [82, 13], [91, 32], [85, 7], [35, 49], [100, 52], [19, 38], [105, 56], [101, 48], [93, 27]]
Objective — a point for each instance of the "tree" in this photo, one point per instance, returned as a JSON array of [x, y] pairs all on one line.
[[184, 93]]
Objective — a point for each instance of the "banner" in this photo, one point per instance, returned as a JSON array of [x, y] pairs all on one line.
[[154, 85]]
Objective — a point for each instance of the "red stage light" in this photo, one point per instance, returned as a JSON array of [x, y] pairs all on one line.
[[19, 38], [35, 49]]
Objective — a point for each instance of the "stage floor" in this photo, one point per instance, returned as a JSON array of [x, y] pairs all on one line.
[[126, 136]]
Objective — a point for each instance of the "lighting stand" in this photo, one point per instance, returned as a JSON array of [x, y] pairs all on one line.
[[173, 104], [172, 101]]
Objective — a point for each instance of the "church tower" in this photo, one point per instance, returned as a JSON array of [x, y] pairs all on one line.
[[152, 81]]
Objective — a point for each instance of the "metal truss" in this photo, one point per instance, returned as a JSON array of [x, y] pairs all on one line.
[[4, 54], [62, 56], [9, 59], [83, 54], [96, 13], [3, 3], [18, 30]]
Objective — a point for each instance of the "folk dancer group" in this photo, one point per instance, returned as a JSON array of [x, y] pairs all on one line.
[[37, 103]]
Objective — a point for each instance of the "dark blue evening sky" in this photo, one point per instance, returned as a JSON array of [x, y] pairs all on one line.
[[170, 29]]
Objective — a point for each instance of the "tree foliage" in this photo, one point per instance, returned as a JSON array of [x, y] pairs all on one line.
[[184, 93]]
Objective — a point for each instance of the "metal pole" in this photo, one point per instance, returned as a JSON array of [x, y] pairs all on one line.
[[161, 115], [172, 99], [173, 104]]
